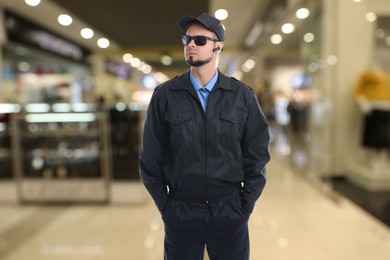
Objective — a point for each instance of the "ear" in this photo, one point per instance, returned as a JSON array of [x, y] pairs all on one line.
[[220, 45]]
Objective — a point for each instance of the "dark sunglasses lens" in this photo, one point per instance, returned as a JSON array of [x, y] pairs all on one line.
[[200, 40]]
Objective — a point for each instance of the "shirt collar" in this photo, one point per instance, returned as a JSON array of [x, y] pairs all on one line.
[[209, 86], [183, 81]]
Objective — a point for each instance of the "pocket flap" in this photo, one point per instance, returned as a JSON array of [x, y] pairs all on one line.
[[233, 116], [177, 116]]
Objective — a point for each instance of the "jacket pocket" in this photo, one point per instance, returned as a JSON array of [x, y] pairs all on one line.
[[232, 125], [180, 124]]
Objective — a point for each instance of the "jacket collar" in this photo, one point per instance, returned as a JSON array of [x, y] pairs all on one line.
[[183, 81]]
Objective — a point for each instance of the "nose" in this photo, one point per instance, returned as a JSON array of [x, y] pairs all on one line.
[[191, 43]]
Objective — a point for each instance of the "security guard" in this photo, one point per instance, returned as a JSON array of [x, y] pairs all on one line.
[[204, 153]]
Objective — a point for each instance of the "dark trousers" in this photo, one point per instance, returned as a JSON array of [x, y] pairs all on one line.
[[220, 227]]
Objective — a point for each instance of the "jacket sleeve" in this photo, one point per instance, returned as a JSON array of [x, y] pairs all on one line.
[[255, 149], [152, 154]]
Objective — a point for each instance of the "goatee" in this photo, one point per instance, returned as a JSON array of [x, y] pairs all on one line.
[[198, 63]]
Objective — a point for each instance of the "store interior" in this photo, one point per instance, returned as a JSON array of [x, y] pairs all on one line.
[[72, 112]]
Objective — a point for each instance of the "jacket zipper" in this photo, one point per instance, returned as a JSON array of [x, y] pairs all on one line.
[[204, 159], [205, 154], [206, 146]]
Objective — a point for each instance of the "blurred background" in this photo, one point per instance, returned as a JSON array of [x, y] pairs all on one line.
[[76, 80]]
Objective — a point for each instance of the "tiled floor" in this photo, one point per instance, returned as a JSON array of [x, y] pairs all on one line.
[[376, 203], [292, 220]]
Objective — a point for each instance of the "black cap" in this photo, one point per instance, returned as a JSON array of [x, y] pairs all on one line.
[[208, 21]]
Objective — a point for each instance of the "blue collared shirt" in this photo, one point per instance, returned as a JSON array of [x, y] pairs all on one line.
[[203, 92]]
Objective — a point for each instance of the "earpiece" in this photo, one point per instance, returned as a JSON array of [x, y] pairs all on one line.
[[216, 49]]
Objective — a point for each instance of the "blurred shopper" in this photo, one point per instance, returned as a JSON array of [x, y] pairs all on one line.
[[205, 149]]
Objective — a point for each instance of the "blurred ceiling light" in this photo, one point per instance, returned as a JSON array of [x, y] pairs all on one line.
[[166, 60], [63, 117], [149, 242], [302, 13], [387, 40], [103, 43], [276, 39], [62, 107], [161, 77], [86, 33], [37, 108], [65, 19], [146, 69], [141, 64], [10, 108], [221, 14], [313, 67], [142, 97], [357, 1], [238, 75], [371, 17], [135, 62], [332, 60], [380, 33], [120, 106], [245, 69], [127, 57], [24, 66], [81, 107], [32, 2], [155, 225], [288, 28], [248, 65], [308, 37]]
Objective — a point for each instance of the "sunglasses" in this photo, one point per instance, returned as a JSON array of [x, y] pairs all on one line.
[[198, 40]]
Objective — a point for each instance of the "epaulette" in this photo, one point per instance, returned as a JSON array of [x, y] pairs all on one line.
[[251, 89]]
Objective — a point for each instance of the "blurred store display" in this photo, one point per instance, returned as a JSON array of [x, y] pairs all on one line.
[[61, 156], [5, 147], [125, 142]]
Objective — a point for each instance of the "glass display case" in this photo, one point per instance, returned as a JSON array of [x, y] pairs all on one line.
[[125, 122], [125, 143], [5, 154], [6, 113], [61, 153]]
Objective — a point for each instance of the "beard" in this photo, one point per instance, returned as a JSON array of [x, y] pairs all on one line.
[[197, 63]]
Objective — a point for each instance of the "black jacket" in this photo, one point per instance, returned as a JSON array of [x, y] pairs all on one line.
[[195, 156]]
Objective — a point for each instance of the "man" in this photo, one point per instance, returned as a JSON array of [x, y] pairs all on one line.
[[205, 148]]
